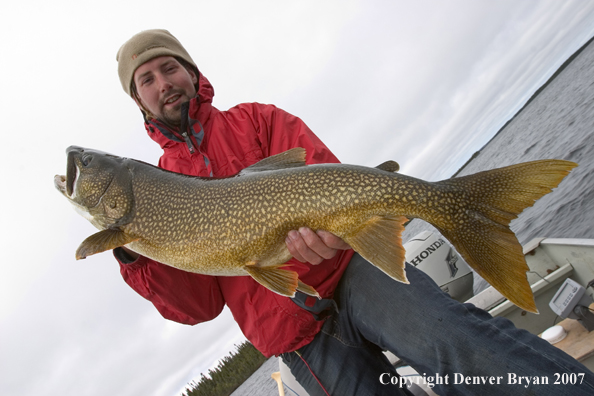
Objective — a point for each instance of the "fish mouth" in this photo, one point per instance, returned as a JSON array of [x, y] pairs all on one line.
[[71, 170], [65, 183], [60, 183]]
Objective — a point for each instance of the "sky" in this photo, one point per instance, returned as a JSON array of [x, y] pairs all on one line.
[[423, 82]]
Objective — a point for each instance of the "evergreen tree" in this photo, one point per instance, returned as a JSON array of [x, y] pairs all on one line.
[[232, 371]]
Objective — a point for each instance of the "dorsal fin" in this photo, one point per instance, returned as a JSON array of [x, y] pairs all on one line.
[[389, 166], [292, 158]]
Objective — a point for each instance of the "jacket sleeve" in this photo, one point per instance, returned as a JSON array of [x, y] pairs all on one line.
[[180, 296], [280, 131]]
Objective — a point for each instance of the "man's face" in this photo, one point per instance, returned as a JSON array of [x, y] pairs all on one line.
[[163, 84]]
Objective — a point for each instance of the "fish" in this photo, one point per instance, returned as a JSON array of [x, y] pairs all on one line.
[[237, 226]]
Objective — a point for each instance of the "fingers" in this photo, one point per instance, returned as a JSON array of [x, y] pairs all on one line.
[[298, 245], [332, 240], [307, 246]]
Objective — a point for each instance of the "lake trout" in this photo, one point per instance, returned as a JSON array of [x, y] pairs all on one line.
[[238, 225]]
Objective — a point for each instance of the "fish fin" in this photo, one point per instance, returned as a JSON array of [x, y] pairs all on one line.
[[389, 166], [102, 241], [480, 232], [281, 281], [292, 158], [379, 241], [307, 289]]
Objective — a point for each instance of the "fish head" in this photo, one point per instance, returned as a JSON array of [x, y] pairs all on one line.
[[99, 185]]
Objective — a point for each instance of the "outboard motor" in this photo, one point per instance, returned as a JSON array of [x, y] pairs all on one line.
[[434, 256]]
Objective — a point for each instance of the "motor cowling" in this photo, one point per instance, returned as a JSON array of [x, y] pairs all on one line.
[[432, 254]]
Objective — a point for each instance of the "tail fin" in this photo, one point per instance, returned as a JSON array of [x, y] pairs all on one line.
[[480, 232]]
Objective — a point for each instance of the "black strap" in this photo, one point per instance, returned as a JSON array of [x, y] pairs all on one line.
[[321, 309]]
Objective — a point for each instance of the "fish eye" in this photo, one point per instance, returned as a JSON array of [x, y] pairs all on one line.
[[86, 159]]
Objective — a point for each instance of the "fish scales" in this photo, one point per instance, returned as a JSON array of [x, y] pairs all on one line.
[[238, 225], [259, 210]]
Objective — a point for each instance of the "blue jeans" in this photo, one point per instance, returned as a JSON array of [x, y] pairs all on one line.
[[436, 335]]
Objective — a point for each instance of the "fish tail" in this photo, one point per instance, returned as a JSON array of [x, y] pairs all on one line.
[[476, 211]]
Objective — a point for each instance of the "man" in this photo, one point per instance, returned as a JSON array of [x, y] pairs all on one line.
[[334, 345]]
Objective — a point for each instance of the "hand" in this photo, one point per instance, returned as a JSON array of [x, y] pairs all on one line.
[[312, 247]]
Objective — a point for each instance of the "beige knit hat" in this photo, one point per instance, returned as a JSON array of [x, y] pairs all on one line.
[[143, 47]]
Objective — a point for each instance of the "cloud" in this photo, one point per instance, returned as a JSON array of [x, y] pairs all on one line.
[[91, 326], [426, 83], [438, 88]]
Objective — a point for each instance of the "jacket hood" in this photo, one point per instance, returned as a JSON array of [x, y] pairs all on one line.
[[205, 90]]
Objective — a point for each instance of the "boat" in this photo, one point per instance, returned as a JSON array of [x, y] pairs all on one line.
[[561, 277]]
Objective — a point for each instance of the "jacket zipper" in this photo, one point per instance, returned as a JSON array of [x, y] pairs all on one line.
[[188, 142], [184, 127]]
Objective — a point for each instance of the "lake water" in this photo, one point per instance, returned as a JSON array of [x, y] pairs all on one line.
[[557, 123]]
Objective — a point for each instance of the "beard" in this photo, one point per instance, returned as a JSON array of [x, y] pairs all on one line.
[[172, 116]]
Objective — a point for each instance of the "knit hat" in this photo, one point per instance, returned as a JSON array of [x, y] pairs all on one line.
[[143, 47]]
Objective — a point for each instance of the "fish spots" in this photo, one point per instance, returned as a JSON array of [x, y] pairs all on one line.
[[245, 214]]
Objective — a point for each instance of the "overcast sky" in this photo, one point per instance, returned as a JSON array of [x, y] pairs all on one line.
[[425, 83]]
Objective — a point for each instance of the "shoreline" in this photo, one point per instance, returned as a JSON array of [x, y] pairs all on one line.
[[567, 62]]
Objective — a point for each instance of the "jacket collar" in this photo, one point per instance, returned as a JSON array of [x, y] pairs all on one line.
[[196, 115]]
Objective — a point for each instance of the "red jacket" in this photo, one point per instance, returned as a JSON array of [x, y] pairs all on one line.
[[223, 143]]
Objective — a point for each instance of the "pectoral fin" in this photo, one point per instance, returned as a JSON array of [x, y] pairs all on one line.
[[102, 241], [379, 241], [281, 281]]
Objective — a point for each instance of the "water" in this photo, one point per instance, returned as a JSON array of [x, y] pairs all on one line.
[[260, 383], [558, 123]]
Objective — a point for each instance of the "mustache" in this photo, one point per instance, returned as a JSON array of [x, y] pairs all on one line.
[[169, 94]]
